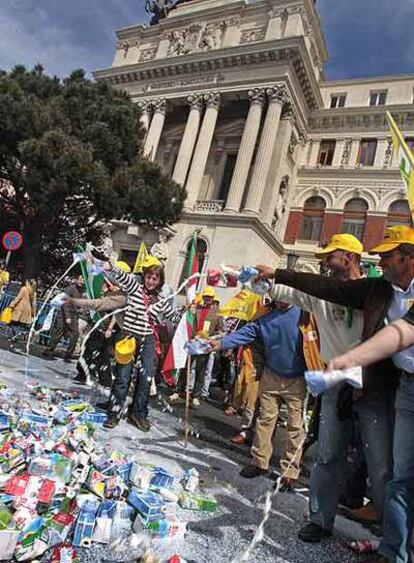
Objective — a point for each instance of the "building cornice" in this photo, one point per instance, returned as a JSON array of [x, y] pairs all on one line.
[[237, 221], [291, 50], [360, 118], [367, 80], [336, 173]]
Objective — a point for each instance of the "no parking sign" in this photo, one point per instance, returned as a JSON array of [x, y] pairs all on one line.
[[11, 241]]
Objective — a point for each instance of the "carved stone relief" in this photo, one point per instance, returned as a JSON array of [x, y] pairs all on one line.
[[388, 154], [250, 35], [347, 152], [196, 38], [147, 55]]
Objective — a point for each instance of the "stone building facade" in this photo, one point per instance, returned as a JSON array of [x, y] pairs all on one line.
[[273, 157]]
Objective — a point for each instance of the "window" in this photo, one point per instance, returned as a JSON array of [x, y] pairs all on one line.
[[326, 152], [367, 150], [338, 100], [313, 212], [410, 143], [355, 214], [227, 176], [378, 98], [399, 214]]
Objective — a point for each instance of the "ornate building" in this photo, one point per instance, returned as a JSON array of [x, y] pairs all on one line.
[[273, 157]]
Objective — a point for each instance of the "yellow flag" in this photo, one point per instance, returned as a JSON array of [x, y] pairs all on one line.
[[405, 160], [142, 256], [242, 306]]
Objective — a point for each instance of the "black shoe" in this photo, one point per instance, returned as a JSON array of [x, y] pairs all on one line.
[[111, 422], [251, 471], [80, 380], [104, 406], [141, 423], [313, 533]]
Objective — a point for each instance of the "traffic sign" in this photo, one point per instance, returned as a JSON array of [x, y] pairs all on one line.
[[12, 240]]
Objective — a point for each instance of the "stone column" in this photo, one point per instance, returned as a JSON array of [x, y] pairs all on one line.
[[189, 139], [314, 153], [339, 151], [195, 176], [155, 130], [277, 98], [280, 154], [246, 150]]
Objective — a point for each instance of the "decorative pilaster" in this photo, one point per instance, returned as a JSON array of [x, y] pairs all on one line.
[[156, 127], [277, 97], [189, 138], [246, 150], [202, 150]]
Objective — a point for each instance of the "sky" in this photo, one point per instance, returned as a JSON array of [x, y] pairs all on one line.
[[364, 37]]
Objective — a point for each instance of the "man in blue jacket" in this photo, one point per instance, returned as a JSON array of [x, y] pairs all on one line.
[[282, 381]]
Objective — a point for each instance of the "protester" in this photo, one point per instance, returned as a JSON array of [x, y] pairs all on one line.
[[383, 300], [4, 276], [397, 339], [286, 357], [207, 322], [67, 321], [98, 350], [340, 328], [23, 307], [143, 309]]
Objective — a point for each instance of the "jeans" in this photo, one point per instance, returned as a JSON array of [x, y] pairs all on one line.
[[398, 516], [144, 374], [200, 363], [375, 419]]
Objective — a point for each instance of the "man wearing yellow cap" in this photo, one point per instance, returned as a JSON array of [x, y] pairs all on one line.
[[397, 340], [372, 296], [340, 328]]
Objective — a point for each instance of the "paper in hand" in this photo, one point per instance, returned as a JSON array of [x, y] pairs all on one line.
[[320, 381]]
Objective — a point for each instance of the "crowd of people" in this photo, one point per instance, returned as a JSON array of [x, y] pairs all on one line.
[[364, 451]]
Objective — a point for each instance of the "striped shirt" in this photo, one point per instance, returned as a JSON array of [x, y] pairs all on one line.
[[136, 318]]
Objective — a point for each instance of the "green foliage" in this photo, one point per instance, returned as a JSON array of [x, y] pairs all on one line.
[[70, 161]]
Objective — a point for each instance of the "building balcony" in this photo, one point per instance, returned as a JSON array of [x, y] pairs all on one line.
[[210, 206]]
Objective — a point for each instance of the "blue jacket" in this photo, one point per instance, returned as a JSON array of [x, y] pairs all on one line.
[[281, 337]]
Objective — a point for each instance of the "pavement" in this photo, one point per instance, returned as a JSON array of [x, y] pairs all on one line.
[[226, 535]]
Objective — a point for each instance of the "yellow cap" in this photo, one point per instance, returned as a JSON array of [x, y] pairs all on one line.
[[198, 299], [123, 266], [209, 292], [151, 261], [394, 236], [342, 241], [125, 350]]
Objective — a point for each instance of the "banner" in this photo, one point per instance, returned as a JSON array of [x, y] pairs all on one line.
[[243, 306], [141, 257], [405, 160]]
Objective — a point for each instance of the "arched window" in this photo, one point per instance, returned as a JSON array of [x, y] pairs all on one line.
[[355, 214], [399, 214], [313, 212], [201, 255]]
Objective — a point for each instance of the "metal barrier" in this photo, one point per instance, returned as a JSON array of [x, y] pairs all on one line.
[[43, 337]]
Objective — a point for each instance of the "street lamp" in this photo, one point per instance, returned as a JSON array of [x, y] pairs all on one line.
[[291, 259]]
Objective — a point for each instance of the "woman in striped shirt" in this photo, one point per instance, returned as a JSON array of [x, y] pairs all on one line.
[[143, 309]]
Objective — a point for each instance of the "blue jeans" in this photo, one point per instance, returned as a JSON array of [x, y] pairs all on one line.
[[144, 374], [374, 413], [398, 516]]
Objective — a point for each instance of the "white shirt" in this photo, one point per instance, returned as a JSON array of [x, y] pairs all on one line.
[[401, 302]]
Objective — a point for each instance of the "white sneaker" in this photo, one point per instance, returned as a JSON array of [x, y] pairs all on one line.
[[196, 403], [174, 398]]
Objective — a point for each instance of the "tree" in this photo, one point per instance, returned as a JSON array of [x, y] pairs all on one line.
[[71, 161]]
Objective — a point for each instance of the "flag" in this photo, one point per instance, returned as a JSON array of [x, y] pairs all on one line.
[[405, 160], [177, 356], [242, 306], [141, 257], [192, 268]]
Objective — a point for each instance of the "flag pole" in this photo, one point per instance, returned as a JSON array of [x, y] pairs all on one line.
[[187, 402]]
